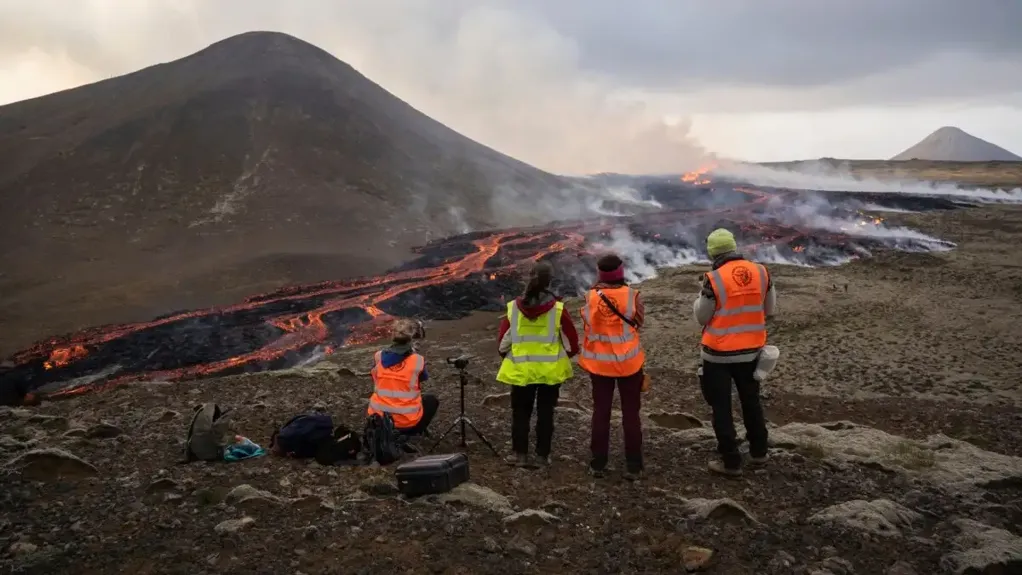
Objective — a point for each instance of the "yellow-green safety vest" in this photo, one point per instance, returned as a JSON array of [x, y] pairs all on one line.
[[536, 355]]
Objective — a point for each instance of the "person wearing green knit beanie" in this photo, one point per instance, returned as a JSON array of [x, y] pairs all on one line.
[[736, 298], [720, 242]]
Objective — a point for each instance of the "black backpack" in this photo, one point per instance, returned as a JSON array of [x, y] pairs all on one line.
[[342, 449], [380, 440], [303, 435]]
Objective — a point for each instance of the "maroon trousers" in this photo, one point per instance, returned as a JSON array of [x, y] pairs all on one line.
[[630, 389]]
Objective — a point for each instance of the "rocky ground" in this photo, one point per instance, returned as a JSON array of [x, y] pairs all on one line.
[[896, 425]]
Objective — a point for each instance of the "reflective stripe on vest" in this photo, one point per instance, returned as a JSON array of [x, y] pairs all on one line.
[[611, 346], [550, 337], [407, 390], [729, 306], [627, 333], [537, 354]]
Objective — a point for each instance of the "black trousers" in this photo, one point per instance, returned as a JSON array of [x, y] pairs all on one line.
[[544, 396], [430, 405], [716, 388]]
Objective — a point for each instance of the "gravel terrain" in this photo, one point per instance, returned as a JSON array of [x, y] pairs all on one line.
[[896, 424]]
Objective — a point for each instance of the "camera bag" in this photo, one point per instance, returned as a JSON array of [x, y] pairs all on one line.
[[432, 474]]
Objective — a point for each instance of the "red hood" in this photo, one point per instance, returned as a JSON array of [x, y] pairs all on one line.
[[536, 307]]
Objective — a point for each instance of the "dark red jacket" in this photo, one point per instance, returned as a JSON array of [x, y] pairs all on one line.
[[534, 308]]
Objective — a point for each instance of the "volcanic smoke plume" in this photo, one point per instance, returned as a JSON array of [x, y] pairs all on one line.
[[478, 271]]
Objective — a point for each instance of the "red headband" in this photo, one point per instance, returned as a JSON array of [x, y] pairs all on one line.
[[614, 275]]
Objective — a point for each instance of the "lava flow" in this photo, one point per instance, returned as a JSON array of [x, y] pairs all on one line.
[[457, 275]]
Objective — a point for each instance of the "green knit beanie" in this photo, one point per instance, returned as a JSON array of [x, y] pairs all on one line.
[[720, 241]]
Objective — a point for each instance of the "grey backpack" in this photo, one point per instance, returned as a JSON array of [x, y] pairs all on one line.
[[208, 434]]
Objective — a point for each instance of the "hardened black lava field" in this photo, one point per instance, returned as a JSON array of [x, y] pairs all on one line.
[[476, 271]]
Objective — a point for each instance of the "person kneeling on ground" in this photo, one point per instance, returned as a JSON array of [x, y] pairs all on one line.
[[398, 373], [536, 339], [736, 298], [613, 356]]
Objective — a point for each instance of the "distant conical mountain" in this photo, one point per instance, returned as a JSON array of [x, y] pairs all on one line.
[[951, 144]]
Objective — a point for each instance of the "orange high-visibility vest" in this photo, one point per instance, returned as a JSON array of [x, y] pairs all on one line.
[[610, 347], [397, 390], [739, 319]]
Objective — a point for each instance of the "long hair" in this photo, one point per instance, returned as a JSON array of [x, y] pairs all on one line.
[[539, 280]]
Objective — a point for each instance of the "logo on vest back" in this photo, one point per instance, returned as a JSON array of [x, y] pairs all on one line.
[[399, 366], [604, 310], [741, 275]]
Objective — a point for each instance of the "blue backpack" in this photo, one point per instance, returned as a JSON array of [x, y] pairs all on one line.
[[303, 435]]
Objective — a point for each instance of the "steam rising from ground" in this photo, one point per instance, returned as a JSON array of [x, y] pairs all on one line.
[[642, 258], [813, 212], [824, 177], [579, 198]]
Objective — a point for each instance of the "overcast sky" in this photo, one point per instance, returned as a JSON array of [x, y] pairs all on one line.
[[579, 86]]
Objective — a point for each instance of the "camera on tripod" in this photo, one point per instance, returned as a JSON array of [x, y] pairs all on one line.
[[460, 362], [463, 421]]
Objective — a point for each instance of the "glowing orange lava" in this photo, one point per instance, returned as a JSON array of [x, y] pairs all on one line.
[[62, 356], [333, 314], [698, 176]]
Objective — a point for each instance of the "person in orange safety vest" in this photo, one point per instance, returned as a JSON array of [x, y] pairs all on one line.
[[398, 372], [736, 298], [613, 356]]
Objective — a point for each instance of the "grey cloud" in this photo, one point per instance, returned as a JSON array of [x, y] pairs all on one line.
[[779, 42]]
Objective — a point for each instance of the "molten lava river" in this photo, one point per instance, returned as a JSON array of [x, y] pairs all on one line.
[[455, 276]]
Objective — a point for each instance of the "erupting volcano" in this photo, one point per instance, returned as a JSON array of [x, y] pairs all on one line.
[[476, 271]]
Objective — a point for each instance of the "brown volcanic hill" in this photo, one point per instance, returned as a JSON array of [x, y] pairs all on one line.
[[951, 144], [259, 161]]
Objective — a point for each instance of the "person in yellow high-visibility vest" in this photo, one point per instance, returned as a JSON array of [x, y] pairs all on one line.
[[536, 339]]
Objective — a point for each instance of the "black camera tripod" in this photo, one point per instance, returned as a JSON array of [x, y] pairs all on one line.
[[461, 363]]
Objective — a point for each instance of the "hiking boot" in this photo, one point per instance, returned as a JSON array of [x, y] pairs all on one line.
[[597, 473], [542, 461], [632, 474], [719, 468], [761, 460], [598, 466], [633, 470], [517, 459]]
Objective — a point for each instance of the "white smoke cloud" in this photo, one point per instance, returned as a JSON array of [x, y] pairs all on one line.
[[824, 177], [643, 259], [870, 207], [458, 221], [810, 214], [771, 255]]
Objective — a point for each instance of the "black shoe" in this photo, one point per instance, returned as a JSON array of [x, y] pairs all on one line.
[[598, 466], [719, 468], [633, 470], [761, 460], [520, 460]]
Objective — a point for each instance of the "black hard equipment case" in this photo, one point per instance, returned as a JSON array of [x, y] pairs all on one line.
[[432, 474]]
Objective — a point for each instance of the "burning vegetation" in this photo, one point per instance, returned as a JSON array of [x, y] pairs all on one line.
[[476, 271]]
